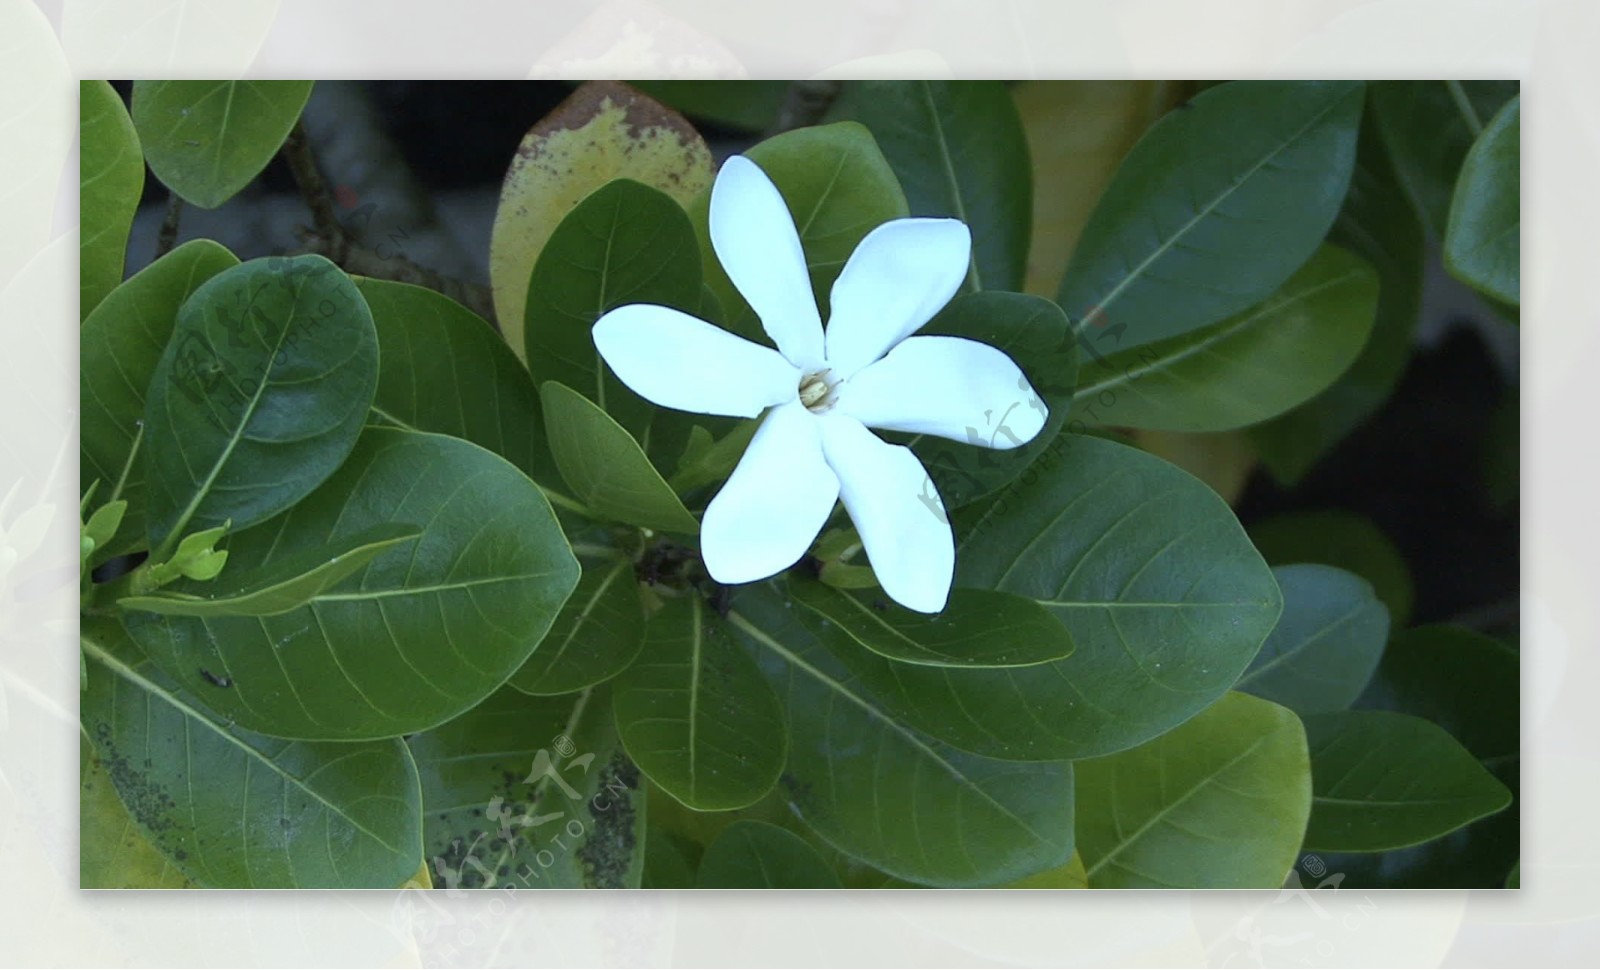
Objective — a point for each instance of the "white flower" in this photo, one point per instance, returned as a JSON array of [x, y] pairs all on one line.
[[825, 390]]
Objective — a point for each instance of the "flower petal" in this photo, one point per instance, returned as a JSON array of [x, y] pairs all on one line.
[[775, 502], [900, 275], [897, 511], [677, 361], [947, 386], [756, 243]]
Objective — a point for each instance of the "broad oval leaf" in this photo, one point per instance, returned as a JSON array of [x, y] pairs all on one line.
[[696, 715], [1326, 645], [1165, 598], [110, 181], [978, 628], [423, 633], [236, 809], [605, 467], [1253, 366], [112, 851], [750, 854], [958, 150], [1339, 538], [206, 140], [1214, 207], [625, 243], [121, 343], [531, 793], [290, 582], [838, 186], [1461, 680], [1385, 780], [1219, 802], [1428, 127], [258, 397], [1483, 241], [603, 131], [597, 634], [443, 368], [879, 790]]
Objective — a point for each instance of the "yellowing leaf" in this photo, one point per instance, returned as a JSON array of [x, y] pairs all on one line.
[[604, 131]]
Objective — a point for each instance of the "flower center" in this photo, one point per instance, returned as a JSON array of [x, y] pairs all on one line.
[[816, 393]]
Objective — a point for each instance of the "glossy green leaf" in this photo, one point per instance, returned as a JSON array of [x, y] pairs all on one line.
[[959, 150], [1069, 876], [121, 343], [1378, 224], [1214, 208], [605, 467], [838, 186], [1459, 679], [757, 855], [206, 140], [597, 634], [876, 788], [1428, 127], [110, 181], [978, 628], [531, 792], [706, 460], [1220, 802], [1335, 537], [443, 368], [1163, 594], [1326, 644], [286, 584], [625, 243], [112, 852], [1483, 240], [668, 861], [1253, 366], [258, 397], [696, 715], [1385, 780], [743, 105], [1034, 333], [235, 809], [422, 633]]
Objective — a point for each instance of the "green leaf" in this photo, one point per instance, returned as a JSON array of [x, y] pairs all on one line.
[[706, 461], [625, 243], [979, 627], [959, 150], [258, 397], [1325, 646], [1147, 567], [839, 187], [1220, 802], [1034, 333], [110, 181], [597, 634], [531, 792], [1378, 224], [424, 632], [1482, 243], [758, 855], [1069, 876], [285, 585], [874, 787], [206, 140], [112, 852], [1253, 366], [1428, 126], [742, 105], [696, 715], [1461, 680], [235, 809], [1343, 539], [102, 527], [121, 343], [443, 368], [1384, 780], [605, 467], [195, 558], [1214, 207]]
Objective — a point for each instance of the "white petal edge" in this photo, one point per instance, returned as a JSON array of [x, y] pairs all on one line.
[[899, 276], [896, 510], [951, 387], [755, 240], [774, 503], [678, 361]]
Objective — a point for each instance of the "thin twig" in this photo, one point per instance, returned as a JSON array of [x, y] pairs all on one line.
[[314, 189], [805, 104], [168, 237]]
